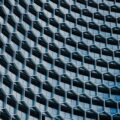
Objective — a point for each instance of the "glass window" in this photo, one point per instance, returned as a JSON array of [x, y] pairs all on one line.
[[90, 93], [2, 69], [77, 63], [59, 70], [58, 43], [53, 81], [96, 81], [54, 5], [35, 59], [47, 38], [8, 57], [78, 90], [75, 37], [71, 74], [25, 53], [10, 109], [18, 64], [71, 102], [84, 105], [23, 82], [47, 64], [65, 86], [1, 104], [11, 28], [77, 117], [53, 54], [84, 78], [60, 98], [12, 76], [97, 108], [64, 10], [26, 25], [29, 70], [53, 111], [28, 101], [34, 88], [7, 11], [41, 76], [41, 48], [40, 106], [33, 118], [66, 116], [64, 33], [64, 58], [14, 45], [22, 115], [17, 95], [37, 7], [46, 93], [47, 13], [6, 89]]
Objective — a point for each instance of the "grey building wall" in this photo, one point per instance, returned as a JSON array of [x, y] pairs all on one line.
[[60, 59]]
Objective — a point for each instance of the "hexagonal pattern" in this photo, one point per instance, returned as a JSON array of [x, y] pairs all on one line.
[[60, 59]]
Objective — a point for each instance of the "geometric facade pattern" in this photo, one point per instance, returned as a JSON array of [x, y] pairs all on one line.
[[60, 59]]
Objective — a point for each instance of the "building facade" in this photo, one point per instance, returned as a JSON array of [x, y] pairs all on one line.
[[60, 59]]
